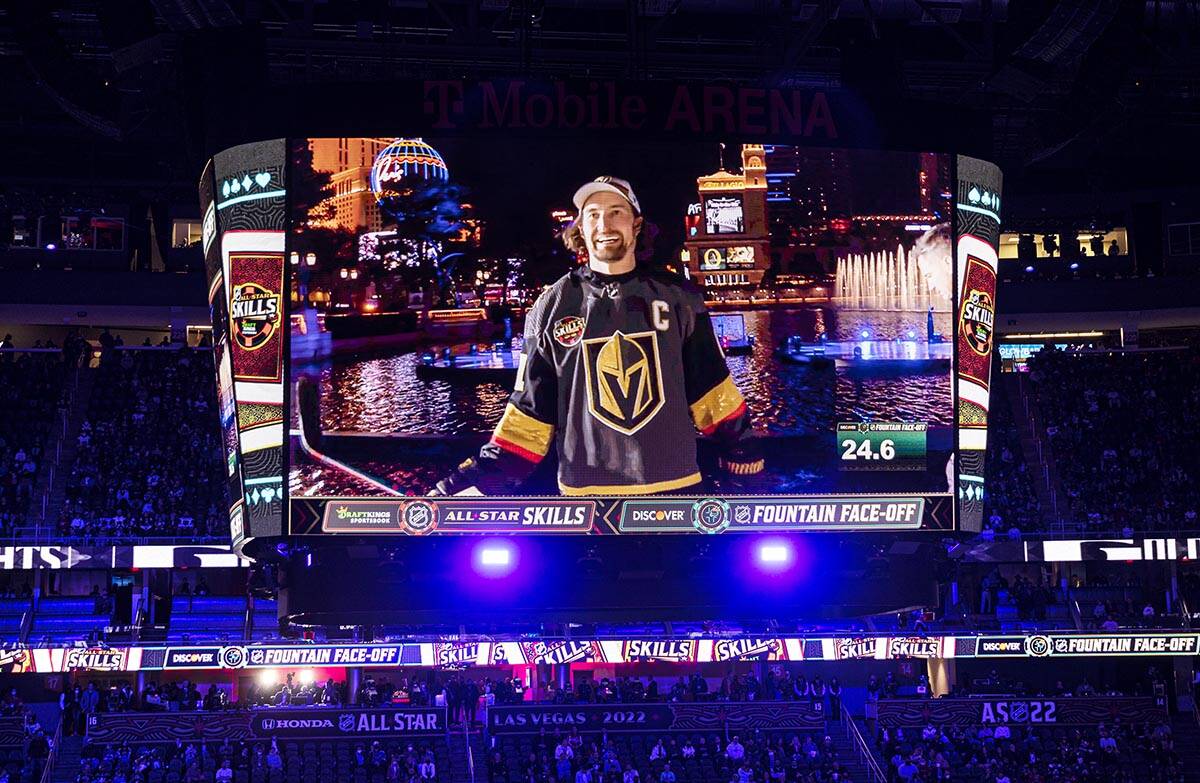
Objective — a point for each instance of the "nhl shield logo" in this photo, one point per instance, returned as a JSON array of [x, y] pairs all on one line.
[[346, 722], [624, 380]]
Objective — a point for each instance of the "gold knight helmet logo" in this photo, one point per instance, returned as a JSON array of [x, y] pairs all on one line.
[[255, 314], [624, 379]]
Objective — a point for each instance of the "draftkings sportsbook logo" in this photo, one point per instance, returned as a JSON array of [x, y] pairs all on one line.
[[255, 314], [978, 318], [624, 380]]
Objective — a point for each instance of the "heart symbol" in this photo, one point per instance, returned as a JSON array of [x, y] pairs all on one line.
[[262, 178]]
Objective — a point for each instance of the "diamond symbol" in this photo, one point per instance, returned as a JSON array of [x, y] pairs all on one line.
[[247, 182]]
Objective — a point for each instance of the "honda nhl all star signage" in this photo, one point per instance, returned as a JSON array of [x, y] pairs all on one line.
[[324, 723], [290, 723]]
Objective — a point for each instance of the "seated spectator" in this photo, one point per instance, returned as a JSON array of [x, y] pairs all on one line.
[[735, 751]]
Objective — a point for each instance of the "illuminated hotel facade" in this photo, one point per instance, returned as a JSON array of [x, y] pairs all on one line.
[[348, 162], [728, 241]]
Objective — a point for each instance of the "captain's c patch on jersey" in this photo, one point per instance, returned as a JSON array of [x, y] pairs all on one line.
[[624, 380]]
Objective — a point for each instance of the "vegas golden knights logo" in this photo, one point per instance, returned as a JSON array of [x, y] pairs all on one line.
[[255, 314], [624, 379]]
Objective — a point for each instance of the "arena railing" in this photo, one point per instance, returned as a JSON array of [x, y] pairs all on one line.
[[52, 757], [470, 751], [37, 536], [861, 747]]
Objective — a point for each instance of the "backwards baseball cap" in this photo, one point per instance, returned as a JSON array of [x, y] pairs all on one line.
[[610, 184]]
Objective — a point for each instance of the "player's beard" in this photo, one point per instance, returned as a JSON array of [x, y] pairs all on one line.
[[609, 253]]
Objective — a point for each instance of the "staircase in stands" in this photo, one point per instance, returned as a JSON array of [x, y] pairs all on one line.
[[1187, 744], [847, 752], [466, 748], [1035, 448], [66, 762], [51, 488]]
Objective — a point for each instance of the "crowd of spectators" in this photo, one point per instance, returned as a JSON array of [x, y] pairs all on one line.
[[393, 761], [1010, 499], [681, 757], [1029, 596], [1122, 429], [777, 684], [37, 741], [188, 696], [148, 461], [293, 693], [31, 392], [465, 696], [1000, 754]]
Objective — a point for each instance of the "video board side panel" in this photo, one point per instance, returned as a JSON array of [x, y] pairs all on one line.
[[250, 195], [218, 312], [977, 234]]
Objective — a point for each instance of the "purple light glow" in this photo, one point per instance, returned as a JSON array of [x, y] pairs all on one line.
[[774, 555], [495, 558]]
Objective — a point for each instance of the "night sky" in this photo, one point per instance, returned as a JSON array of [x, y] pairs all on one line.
[[515, 183]]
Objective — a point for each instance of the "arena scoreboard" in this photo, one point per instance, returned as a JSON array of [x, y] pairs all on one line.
[[368, 343], [460, 653]]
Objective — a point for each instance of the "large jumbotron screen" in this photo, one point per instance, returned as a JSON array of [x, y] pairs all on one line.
[[422, 341]]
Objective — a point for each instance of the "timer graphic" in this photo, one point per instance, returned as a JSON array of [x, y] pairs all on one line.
[[877, 445]]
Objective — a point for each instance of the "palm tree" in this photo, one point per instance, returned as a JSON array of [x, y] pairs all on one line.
[[426, 212]]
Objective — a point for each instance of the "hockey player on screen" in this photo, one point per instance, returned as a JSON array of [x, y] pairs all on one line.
[[620, 369]]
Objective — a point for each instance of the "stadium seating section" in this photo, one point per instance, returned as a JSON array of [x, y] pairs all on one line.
[[31, 385], [148, 461], [693, 758], [282, 762], [1122, 429], [974, 754]]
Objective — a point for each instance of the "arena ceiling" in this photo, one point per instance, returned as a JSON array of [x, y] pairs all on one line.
[[1069, 85]]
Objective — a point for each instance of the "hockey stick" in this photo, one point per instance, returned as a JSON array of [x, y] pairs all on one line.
[[312, 438]]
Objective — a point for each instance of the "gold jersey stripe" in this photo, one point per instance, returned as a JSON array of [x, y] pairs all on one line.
[[716, 405], [744, 468], [631, 489], [522, 430]]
